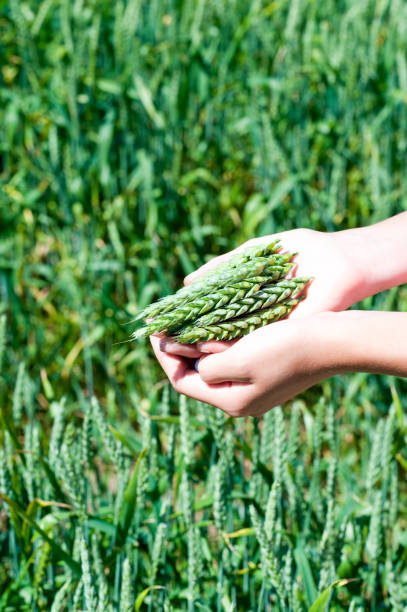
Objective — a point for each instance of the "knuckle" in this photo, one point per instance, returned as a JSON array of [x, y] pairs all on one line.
[[230, 412], [237, 414]]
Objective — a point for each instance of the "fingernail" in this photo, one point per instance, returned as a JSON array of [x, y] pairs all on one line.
[[196, 364], [203, 348], [167, 347]]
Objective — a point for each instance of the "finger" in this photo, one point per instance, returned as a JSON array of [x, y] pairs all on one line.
[[168, 345], [214, 346], [227, 396], [317, 300], [220, 367], [213, 263], [306, 310], [173, 365]]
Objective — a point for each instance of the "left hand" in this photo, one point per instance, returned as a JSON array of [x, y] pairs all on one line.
[[249, 376]]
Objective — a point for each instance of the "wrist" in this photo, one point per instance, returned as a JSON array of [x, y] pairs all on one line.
[[362, 341], [377, 254], [330, 349]]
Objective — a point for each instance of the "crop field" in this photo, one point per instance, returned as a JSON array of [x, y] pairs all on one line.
[[138, 139]]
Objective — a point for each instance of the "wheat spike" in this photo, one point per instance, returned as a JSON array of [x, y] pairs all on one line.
[[272, 294], [233, 262], [211, 281], [87, 577], [230, 294], [236, 328]]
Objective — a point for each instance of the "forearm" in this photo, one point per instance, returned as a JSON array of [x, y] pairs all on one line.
[[379, 252], [363, 341]]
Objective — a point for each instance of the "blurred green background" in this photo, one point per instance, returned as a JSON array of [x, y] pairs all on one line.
[[140, 138]]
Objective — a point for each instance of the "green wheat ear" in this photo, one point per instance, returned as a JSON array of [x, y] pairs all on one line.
[[236, 328], [232, 293], [265, 297], [249, 282], [218, 275]]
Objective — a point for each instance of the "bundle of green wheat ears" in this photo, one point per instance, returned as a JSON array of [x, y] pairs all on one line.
[[248, 291]]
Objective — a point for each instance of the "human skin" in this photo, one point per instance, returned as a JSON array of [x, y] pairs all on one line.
[[273, 364]]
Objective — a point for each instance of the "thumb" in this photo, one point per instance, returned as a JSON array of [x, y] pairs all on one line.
[[221, 367]]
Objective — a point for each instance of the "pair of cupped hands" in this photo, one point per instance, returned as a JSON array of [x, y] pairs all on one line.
[[271, 365]]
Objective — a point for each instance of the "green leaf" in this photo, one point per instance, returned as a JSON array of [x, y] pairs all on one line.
[[129, 503], [144, 94], [7, 425], [101, 525], [141, 597], [321, 602], [130, 442], [52, 479], [13, 586], [305, 571], [109, 86]]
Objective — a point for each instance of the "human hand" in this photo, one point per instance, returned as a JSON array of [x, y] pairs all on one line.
[[274, 363], [337, 281], [326, 257], [347, 266], [265, 368]]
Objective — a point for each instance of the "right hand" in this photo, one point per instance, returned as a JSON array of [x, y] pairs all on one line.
[[337, 281]]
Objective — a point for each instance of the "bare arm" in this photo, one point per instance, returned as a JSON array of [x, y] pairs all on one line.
[[379, 252], [367, 341], [275, 363]]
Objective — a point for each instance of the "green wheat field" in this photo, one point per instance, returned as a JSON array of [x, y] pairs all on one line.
[[138, 139]]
